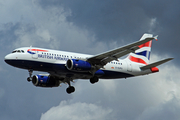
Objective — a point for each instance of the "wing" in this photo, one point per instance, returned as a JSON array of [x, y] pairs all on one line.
[[103, 58]]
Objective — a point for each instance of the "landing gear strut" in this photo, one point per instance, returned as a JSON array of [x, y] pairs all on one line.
[[30, 75], [70, 89]]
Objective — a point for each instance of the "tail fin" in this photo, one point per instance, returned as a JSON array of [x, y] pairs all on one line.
[[142, 55]]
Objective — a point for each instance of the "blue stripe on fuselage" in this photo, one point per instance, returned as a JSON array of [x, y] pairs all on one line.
[[61, 68]]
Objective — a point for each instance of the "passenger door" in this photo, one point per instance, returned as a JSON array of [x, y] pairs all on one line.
[[35, 55], [129, 66]]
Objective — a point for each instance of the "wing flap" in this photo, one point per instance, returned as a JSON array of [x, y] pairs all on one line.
[[155, 64]]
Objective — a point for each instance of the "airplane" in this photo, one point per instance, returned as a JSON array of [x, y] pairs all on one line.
[[64, 67]]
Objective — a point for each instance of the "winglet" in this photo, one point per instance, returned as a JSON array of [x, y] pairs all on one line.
[[155, 37]]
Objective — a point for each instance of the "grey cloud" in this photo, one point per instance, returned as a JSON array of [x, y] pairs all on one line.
[[76, 111], [89, 27], [167, 111], [127, 99], [108, 20], [22, 100], [126, 21]]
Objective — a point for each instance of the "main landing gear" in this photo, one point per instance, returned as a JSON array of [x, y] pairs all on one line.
[[94, 79], [30, 75], [70, 89]]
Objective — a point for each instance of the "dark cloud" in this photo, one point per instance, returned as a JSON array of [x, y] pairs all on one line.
[[108, 20], [90, 27], [167, 111], [18, 98], [7, 33], [126, 20], [22, 100], [134, 98]]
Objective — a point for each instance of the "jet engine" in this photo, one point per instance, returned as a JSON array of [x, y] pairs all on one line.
[[78, 65], [44, 81]]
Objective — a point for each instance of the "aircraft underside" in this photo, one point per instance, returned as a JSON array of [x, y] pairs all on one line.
[[62, 71]]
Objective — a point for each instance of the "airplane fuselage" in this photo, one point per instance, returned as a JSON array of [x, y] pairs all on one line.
[[54, 61]]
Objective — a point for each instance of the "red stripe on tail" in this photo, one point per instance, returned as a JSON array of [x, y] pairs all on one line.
[[148, 44], [138, 60]]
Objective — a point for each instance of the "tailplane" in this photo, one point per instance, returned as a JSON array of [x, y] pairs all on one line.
[[153, 65]]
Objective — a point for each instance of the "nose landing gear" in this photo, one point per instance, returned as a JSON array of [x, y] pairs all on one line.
[[30, 75]]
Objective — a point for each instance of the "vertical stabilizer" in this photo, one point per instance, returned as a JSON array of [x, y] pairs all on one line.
[[142, 55]]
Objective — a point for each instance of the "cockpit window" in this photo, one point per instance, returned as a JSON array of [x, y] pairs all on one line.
[[18, 51], [14, 51]]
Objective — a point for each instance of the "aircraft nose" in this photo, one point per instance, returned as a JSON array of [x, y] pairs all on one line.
[[11, 59], [7, 59]]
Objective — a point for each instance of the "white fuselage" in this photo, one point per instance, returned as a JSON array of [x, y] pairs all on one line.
[[54, 61]]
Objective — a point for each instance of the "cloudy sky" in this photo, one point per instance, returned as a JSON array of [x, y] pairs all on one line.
[[91, 26]]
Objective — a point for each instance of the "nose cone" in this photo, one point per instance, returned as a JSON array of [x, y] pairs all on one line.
[[12, 60], [7, 59]]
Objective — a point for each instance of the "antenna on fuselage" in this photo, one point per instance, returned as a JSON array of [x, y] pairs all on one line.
[[30, 47]]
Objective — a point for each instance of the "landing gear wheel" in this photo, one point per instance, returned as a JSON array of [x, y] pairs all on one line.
[[29, 79], [70, 89], [94, 79]]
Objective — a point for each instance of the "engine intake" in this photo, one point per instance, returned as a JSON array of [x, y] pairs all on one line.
[[78, 65], [44, 81]]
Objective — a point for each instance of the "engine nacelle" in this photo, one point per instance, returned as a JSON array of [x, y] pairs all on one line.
[[45, 81], [78, 65]]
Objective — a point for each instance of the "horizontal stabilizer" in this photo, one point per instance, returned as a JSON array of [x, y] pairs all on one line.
[[155, 64]]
